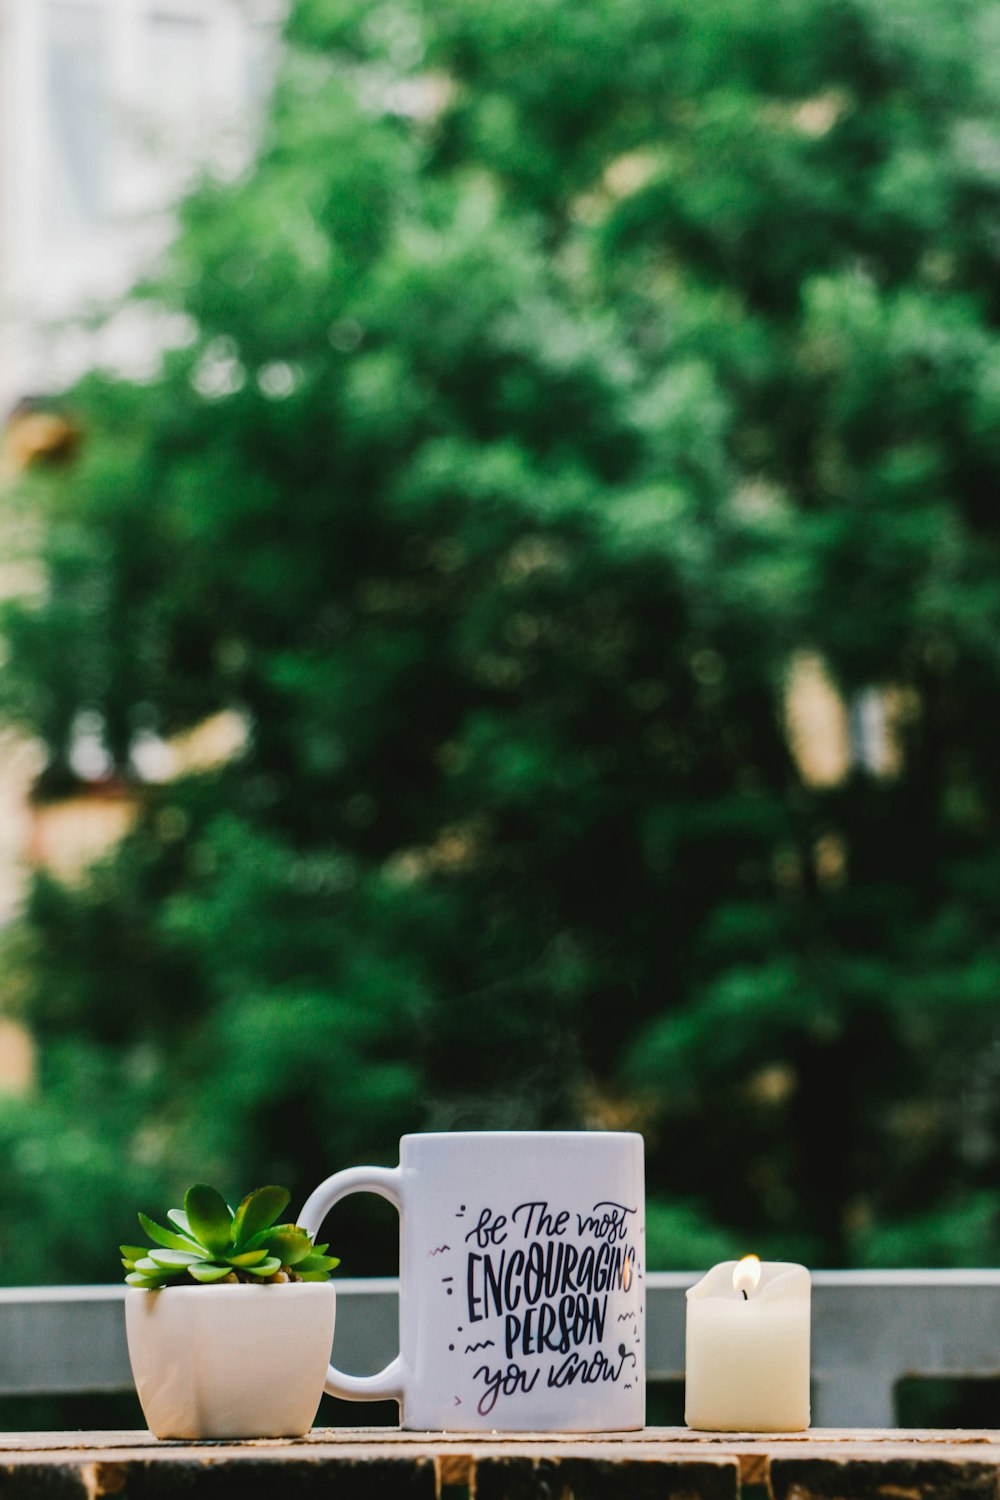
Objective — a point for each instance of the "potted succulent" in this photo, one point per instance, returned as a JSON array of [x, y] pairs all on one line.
[[229, 1319]]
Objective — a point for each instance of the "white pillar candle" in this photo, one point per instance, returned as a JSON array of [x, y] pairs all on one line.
[[748, 1348]]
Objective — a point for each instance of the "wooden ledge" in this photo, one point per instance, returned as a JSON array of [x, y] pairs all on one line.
[[382, 1464]]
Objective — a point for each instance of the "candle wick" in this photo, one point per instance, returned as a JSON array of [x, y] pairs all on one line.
[[745, 1297]]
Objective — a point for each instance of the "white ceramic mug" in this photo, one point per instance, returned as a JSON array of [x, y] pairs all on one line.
[[521, 1299]]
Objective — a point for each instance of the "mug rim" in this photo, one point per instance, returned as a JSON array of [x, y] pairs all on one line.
[[542, 1135]]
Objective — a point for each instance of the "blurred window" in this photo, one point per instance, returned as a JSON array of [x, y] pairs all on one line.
[[76, 99], [178, 72], [261, 57]]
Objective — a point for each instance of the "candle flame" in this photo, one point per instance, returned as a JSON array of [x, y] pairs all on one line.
[[746, 1274]]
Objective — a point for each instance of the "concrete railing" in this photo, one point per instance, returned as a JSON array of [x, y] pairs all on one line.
[[871, 1329]]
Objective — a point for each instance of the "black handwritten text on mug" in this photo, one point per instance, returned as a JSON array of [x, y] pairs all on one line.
[[497, 1284], [576, 1320], [548, 1273]]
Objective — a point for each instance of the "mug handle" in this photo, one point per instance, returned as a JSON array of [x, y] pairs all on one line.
[[385, 1181]]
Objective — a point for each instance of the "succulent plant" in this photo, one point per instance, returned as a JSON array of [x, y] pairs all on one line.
[[210, 1243]]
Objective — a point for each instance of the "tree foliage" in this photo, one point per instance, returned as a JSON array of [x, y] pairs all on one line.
[[558, 373]]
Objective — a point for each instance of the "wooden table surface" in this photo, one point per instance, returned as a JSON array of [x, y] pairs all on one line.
[[666, 1463]]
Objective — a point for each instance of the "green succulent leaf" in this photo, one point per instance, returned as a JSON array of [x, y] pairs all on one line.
[[266, 1237], [148, 1266], [265, 1268], [175, 1260], [209, 1217], [257, 1212], [207, 1242], [247, 1259], [167, 1237], [316, 1262], [262, 1237], [289, 1243], [208, 1271]]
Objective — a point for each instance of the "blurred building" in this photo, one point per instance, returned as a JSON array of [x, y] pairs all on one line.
[[108, 108]]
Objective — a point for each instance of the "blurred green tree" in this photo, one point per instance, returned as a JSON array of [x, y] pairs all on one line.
[[557, 376]]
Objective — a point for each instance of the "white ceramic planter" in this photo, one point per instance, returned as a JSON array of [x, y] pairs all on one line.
[[230, 1361]]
